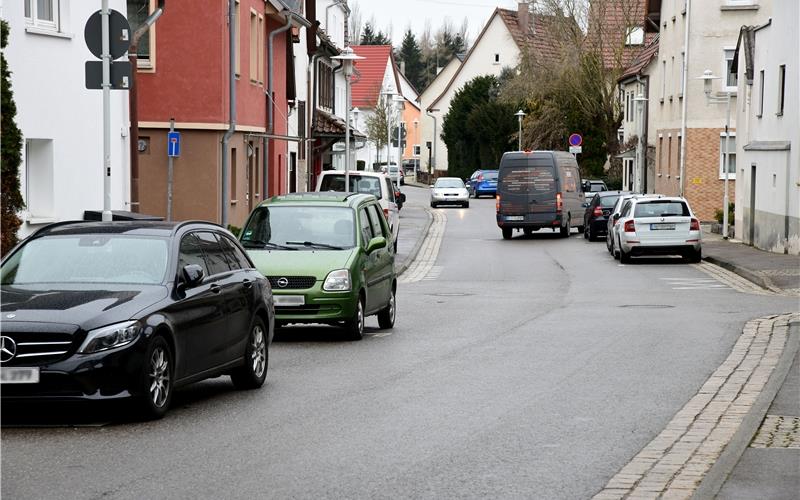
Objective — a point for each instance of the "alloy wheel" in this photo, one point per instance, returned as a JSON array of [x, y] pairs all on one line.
[[159, 377], [258, 351]]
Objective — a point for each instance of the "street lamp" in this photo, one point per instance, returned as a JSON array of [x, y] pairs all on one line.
[[348, 58], [707, 78], [389, 96], [639, 173], [520, 115]]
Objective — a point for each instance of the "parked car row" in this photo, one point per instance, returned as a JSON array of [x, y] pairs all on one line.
[[644, 224], [133, 310]]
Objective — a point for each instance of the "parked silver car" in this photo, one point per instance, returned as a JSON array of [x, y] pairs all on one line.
[[658, 226]]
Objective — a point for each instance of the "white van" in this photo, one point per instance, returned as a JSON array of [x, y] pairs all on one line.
[[374, 183]]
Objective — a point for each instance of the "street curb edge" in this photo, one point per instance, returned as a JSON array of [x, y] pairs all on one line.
[[745, 273], [719, 472], [417, 246]]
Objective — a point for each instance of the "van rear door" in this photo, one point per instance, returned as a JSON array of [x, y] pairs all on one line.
[[527, 187]]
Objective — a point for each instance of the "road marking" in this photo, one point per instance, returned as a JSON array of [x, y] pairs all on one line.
[[731, 279], [674, 463], [695, 284], [433, 274], [426, 258]]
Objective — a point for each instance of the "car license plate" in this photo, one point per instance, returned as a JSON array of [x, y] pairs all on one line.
[[19, 375], [515, 217], [289, 300], [662, 227]]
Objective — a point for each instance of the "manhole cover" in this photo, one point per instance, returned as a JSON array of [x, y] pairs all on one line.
[[647, 306], [451, 294]]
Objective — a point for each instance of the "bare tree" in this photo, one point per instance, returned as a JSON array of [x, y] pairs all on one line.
[[355, 22], [378, 124]]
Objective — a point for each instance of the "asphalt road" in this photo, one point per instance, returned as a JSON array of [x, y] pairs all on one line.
[[533, 368]]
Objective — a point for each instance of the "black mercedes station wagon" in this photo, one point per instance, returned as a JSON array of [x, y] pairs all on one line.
[[110, 310]]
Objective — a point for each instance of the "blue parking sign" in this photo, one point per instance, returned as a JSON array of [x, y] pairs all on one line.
[[173, 143]]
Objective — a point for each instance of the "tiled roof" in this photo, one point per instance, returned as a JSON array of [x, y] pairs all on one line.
[[540, 39], [327, 125], [641, 60], [608, 25], [366, 88]]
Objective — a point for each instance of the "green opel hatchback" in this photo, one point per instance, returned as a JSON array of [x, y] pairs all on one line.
[[327, 258]]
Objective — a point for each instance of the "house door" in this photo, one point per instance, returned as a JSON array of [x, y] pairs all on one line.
[[752, 228], [292, 172], [251, 176]]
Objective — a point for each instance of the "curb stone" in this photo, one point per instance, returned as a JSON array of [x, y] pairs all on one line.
[[745, 273], [692, 456], [403, 267]]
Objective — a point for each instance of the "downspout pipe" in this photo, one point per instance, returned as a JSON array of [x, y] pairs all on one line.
[[270, 102], [645, 82], [432, 168], [133, 103], [311, 103], [685, 77], [232, 104]]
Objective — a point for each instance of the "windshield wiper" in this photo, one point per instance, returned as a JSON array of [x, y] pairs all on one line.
[[314, 244], [265, 244]]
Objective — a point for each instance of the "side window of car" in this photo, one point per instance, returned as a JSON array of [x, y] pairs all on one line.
[[235, 257], [366, 226], [390, 188], [375, 218], [190, 252], [214, 255], [626, 209]]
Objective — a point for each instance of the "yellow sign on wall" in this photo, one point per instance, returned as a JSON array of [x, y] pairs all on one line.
[[697, 180]]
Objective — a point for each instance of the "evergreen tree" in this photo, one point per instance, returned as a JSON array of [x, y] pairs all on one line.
[[411, 55], [10, 155], [370, 37]]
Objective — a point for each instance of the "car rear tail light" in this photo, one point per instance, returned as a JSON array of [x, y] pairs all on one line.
[[480, 177], [497, 204], [695, 225], [598, 212], [630, 227], [559, 202], [386, 213]]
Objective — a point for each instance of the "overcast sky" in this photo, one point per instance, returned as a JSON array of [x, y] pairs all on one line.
[[400, 14]]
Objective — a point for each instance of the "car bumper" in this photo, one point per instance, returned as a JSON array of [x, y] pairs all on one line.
[[105, 375], [449, 199], [485, 189], [665, 247], [599, 226], [532, 221], [318, 307]]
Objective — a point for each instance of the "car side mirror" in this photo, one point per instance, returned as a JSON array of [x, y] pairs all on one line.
[[616, 217], [376, 243], [192, 275]]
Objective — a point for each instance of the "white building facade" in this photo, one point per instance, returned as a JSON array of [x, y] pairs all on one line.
[[61, 121], [768, 179]]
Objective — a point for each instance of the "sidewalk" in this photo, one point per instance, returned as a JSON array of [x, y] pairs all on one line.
[[414, 223], [776, 272]]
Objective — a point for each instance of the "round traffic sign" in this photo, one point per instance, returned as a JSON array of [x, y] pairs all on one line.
[[119, 34], [575, 140]]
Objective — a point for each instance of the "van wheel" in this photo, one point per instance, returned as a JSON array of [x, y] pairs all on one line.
[[527, 231], [565, 230], [507, 231]]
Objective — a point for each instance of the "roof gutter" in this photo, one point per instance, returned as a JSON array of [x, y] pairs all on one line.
[[232, 104]]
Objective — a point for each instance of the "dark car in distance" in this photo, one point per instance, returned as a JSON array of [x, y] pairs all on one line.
[[131, 310], [595, 218]]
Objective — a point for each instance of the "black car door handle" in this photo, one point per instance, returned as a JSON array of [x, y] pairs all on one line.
[[215, 289], [247, 283]]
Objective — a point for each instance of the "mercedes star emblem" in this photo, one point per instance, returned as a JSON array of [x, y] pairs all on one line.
[[11, 316], [8, 349], [283, 282]]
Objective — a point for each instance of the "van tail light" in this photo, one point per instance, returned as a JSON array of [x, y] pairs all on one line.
[[497, 204], [386, 213], [695, 225], [598, 212], [559, 203], [629, 227]]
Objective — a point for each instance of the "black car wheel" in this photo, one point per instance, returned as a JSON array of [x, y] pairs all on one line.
[[355, 326], [608, 244], [253, 372], [386, 315], [590, 233], [694, 256], [466, 204], [565, 229], [585, 234], [477, 195], [156, 379], [527, 231], [507, 232], [624, 257], [433, 205]]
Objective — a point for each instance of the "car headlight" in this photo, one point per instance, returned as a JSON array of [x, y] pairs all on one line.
[[111, 336], [337, 281]]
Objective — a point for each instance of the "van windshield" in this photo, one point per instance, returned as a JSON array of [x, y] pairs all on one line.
[[358, 184], [528, 179]]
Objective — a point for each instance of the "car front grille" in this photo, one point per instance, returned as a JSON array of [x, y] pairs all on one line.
[[292, 282], [34, 349]]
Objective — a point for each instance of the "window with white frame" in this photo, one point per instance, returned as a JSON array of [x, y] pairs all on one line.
[[731, 148], [138, 11], [731, 78], [417, 149], [39, 178], [42, 14], [634, 35]]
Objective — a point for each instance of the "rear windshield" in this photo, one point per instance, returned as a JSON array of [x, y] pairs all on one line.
[[358, 184], [608, 201], [490, 176], [521, 180], [596, 187], [661, 209]]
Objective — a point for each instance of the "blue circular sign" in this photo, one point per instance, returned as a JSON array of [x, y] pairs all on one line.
[[575, 140]]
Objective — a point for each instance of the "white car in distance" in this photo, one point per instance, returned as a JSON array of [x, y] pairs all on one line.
[[449, 191]]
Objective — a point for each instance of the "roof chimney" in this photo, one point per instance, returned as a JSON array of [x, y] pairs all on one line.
[[524, 16]]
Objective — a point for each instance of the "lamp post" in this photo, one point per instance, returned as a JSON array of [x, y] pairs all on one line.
[[348, 58], [707, 78], [389, 98], [639, 172], [399, 101], [520, 115]]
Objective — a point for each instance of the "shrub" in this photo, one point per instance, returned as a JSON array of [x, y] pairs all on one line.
[[10, 156]]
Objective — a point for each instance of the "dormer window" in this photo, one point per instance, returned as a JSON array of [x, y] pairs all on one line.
[[634, 36]]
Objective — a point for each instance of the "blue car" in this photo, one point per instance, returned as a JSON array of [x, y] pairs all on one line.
[[482, 182]]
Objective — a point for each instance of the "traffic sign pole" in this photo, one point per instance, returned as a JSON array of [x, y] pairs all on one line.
[[105, 32], [169, 170]]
